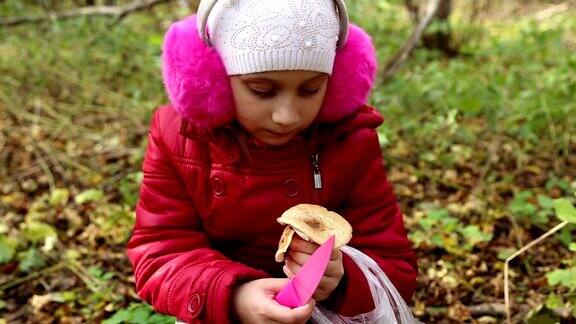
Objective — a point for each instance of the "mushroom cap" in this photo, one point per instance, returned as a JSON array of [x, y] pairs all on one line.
[[284, 243], [316, 223]]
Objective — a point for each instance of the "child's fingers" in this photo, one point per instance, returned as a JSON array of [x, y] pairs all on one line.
[[278, 313], [325, 288], [326, 283], [273, 285], [292, 265], [288, 272], [303, 313], [300, 245], [290, 259], [334, 269], [298, 257], [335, 255], [308, 308]]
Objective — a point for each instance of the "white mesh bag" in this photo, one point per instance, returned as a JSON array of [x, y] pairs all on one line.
[[389, 305]]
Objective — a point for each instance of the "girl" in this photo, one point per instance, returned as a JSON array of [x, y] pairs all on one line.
[[268, 110]]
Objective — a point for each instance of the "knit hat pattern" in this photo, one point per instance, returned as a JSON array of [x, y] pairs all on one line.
[[254, 36]]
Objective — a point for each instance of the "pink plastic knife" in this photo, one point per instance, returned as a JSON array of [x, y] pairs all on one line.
[[302, 286]]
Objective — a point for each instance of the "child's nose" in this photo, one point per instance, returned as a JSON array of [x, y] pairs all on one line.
[[285, 115]]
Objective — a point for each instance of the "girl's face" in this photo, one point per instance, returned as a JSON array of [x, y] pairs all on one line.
[[275, 106]]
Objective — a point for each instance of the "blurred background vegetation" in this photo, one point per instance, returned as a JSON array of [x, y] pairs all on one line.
[[479, 139]]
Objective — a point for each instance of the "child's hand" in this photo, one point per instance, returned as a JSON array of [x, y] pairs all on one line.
[[254, 303], [299, 253]]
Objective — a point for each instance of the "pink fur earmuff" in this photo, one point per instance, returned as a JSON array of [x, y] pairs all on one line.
[[199, 88]]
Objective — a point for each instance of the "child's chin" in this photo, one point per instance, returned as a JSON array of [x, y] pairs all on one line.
[[276, 141]]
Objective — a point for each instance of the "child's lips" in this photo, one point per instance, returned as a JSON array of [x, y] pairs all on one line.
[[281, 135]]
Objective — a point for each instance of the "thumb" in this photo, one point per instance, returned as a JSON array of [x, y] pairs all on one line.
[[275, 284], [306, 310], [311, 303]]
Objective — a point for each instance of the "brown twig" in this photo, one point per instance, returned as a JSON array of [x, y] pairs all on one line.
[[45, 168], [398, 59], [3, 140], [493, 149], [495, 309], [413, 11], [491, 309], [553, 11], [114, 11], [6, 285], [517, 253]]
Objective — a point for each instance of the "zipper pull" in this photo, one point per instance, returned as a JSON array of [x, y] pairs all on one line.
[[316, 170]]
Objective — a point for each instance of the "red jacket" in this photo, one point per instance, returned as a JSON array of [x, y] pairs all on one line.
[[206, 217]]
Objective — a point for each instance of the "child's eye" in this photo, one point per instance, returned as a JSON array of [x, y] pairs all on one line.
[[263, 94], [267, 94], [309, 92]]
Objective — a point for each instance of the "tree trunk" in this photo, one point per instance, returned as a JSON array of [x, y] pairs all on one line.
[[413, 11], [442, 38]]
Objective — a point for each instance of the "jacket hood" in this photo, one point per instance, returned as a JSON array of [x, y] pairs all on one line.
[[199, 89], [363, 117]]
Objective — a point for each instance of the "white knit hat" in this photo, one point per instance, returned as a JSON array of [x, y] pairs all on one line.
[[271, 35]]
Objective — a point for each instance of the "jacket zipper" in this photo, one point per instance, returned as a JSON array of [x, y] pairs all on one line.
[[317, 177]]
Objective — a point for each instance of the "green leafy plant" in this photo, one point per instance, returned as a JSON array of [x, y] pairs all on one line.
[[563, 277], [129, 187], [138, 314], [31, 259], [89, 195], [531, 209], [439, 229], [7, 248], [566, 212]]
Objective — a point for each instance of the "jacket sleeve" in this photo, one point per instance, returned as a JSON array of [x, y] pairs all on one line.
[[175, 269], [378, 231]]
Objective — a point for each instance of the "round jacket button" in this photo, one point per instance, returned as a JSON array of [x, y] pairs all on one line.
[[195, 305], [291, 187], [218, 186]]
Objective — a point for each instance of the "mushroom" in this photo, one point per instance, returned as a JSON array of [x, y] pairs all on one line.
[[312, 223]]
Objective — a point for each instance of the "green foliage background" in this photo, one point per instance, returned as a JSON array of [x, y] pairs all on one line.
[[477, 146]]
